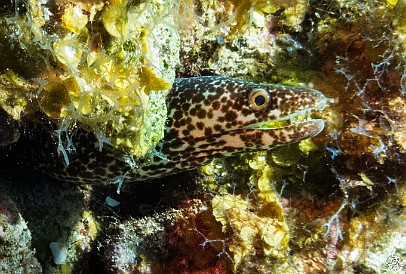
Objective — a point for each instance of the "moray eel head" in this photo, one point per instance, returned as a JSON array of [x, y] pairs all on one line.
[[212, 116]]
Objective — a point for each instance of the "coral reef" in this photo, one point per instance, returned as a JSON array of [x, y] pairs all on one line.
[[348, 51], [70, 249], [145, 245], [253, 47], [379, 233], [255, 221], [16, 253], [331, 204], [103, 66]]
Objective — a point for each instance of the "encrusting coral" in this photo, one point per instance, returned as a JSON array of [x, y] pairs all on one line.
[[255, 219], [16, 253], [104, 66]]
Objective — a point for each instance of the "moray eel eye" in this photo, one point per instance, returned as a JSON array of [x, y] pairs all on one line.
[[259, 99]]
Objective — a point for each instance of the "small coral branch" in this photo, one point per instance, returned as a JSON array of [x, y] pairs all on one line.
[[333, 224], [65, 144], [119, 181], [221, 241], [334, 229]]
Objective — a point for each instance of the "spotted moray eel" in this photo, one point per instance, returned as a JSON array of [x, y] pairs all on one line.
[[208, 117]]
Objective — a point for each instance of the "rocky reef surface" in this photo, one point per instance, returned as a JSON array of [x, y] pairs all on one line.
[[17, 254], [103, 66], [331, 204]]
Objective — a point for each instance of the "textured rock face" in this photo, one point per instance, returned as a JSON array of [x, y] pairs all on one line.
[[8, 130], [104, 66], [16, 253]]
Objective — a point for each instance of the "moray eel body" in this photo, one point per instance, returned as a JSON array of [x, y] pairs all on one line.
[[208, 117]]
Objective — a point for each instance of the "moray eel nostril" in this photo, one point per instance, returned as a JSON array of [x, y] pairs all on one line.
[[208, 117]]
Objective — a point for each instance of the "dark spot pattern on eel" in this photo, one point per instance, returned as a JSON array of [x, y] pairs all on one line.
[[208, 117]]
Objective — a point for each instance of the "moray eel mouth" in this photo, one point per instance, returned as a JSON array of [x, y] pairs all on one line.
[[302, 119]]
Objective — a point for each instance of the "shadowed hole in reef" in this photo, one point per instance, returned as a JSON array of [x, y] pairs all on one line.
[[53, 208], [144, 198]]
